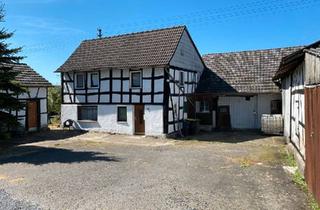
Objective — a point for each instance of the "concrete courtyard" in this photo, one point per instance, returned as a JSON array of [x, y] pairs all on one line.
[[72, 170]]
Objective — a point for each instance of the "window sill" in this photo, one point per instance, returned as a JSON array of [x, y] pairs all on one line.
[[88, 121], [135, 87], [122, 122], [93, 87]]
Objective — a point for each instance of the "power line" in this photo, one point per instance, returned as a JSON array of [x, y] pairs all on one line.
[[196, 18]]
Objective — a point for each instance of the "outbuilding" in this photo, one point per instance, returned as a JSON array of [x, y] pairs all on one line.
[[35, 115], [299, 79], [237, 88]]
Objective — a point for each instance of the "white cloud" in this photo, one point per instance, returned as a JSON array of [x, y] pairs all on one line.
[[36, 25]]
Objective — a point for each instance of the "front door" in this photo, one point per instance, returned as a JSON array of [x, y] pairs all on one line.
[[139, 119], [223, 117], [32, 115]]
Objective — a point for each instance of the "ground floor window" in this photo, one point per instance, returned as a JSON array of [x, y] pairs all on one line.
[[276, 107], [202, 106], [87, 113], [122, 114]]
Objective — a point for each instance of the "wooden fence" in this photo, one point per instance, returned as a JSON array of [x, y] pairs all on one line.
[[312, 136]]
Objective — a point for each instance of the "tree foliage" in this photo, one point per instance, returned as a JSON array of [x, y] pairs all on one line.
[[54, 100], [9, 87]]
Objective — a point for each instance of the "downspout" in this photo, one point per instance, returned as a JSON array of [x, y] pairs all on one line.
[[290, 108]]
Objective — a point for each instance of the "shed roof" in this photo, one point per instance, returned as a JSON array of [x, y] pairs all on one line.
[[243, 72], [29, 77], [291, 61], [148, 48]]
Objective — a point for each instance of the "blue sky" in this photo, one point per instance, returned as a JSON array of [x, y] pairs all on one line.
[[50, 30]]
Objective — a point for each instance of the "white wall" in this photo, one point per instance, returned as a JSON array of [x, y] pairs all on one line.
[[297, 112], [116, 86], [293, 109], [246, 114], [153, 116], [107, 119], [242, 112], [178, 101], [286, 106], [33, 93], [264, 105]]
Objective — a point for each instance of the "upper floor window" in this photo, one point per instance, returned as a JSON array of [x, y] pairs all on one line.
[[79, 80], [94, 80], [136, 79], [181, 79]]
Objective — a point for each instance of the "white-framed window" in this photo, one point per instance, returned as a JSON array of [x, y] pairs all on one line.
[[80, 80], [202, 106], [136, 79], [122, 114], [88, 113], [94, 80], [181, 79]]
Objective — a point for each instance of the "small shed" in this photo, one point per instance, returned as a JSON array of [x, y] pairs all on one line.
[[35, 115], [299, 79]]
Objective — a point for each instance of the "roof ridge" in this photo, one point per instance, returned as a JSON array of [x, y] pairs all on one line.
[[135, 33], [258, 50]]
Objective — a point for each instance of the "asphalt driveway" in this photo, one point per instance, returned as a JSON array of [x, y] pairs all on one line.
[[100, 171]]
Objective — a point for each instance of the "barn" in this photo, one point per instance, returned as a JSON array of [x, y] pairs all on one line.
[[34, 116], [299, 79], [134, 83], [237, 88]]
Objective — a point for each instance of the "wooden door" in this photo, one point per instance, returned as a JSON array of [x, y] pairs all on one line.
[[33, 115], [312, 140], [223, 117], [139, 119]]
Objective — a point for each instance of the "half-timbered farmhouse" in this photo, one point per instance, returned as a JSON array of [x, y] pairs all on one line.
[[132, 84], [299, 79], [34, 116], [237, 88]]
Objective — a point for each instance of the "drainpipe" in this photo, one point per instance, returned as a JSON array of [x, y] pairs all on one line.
[[290, 107]]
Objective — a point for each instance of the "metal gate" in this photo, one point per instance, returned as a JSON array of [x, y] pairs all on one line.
[[312, 123]]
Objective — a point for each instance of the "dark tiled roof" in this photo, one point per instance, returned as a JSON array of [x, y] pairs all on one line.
[[292, 60], [29, 77], [314, 51], [149, 48], [243, 72]]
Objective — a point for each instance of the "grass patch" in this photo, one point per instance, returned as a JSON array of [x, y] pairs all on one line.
[[288, 158], [297, 178], [245, 163]]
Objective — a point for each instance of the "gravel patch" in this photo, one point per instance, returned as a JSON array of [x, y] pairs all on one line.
[[8, 203]]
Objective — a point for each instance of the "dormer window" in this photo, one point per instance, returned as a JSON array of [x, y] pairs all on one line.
[[79, 80], [136, 79]]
